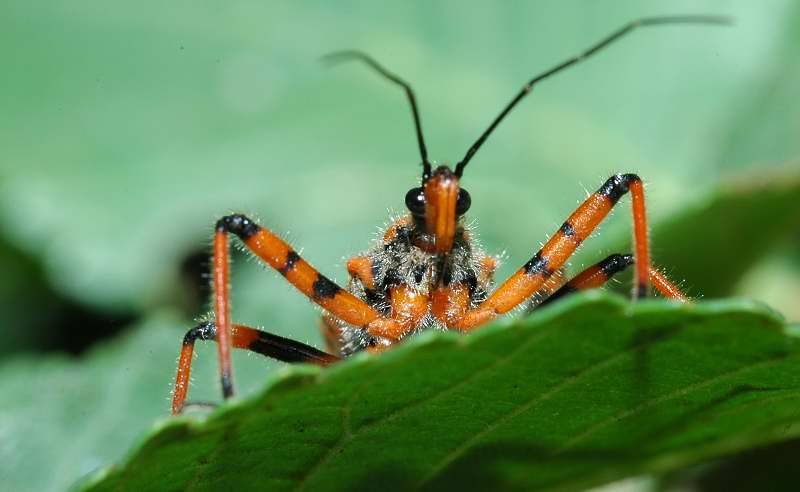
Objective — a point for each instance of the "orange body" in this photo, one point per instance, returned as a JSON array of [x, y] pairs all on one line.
[[428, 272]]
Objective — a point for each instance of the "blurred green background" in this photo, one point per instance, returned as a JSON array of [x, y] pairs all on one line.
[[127, 129]]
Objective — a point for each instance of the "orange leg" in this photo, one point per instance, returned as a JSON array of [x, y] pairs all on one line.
[[594, 276], [597, 275], [667, 288], [487, 269], [279, 255], [551, 285], [555, 253], [222, 310], [242, 337], [360, 267]]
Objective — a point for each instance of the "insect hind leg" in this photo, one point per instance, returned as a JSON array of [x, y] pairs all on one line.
[[242, 337], [599, 274]]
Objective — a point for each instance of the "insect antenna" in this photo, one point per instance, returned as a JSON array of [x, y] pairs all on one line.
[[626, 29], [341, 56]]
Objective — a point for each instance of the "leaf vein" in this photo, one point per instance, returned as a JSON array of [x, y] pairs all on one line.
[[658, 400], [463, 447]]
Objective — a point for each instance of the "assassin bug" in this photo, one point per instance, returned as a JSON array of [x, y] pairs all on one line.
[[427, 272]]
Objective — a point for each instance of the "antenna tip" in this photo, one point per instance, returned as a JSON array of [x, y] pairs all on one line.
[[335, 57], [711, 19]]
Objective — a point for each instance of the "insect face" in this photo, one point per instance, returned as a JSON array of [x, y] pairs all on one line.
[[437, 206]]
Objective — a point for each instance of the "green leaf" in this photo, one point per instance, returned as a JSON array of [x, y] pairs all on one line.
[[775, 465], [583, 393]]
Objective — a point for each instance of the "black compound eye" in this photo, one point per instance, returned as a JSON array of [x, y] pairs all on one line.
[[463, 202], [415, 201]]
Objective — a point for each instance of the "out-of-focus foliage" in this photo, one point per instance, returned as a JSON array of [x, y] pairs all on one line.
[[61, 418], [127, 130]]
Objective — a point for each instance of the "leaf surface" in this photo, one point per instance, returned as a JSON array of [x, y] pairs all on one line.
[[580, 394]]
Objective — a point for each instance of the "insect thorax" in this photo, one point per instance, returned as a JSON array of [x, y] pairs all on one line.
[[401, 258]]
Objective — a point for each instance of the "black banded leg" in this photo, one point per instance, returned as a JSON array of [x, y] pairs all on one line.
[[593, 277], [279, 255], [554, 254], [243, 337], [203, 331], [279, 348], [551, 285]]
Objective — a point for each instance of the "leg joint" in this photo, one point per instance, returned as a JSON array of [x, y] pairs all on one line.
[[238, 224], [617, 185], [615, 264], [203, 331]]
